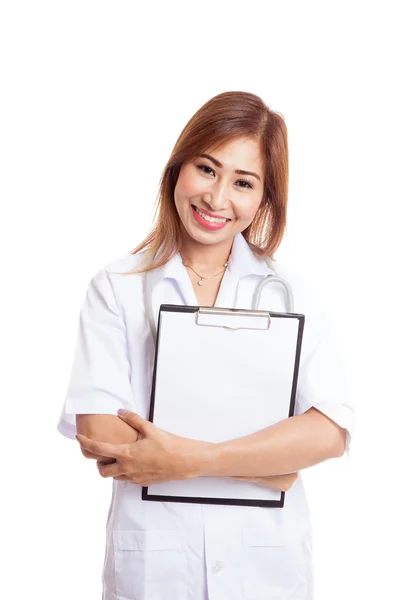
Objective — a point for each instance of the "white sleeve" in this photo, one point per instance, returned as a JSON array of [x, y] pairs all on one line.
[[323, 380], [100, 376]]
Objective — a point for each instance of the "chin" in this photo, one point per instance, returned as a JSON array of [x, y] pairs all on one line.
[[209, 238]]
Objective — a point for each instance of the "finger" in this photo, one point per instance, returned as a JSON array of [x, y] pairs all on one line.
[[135, 421], [113, 470], [89, 454], [103, 460], [101, 448], [143, 479]]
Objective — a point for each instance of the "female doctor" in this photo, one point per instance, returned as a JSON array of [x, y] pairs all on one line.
[[222, 210]]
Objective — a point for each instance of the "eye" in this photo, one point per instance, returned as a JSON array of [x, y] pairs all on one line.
[[201, 167], [247, 186]]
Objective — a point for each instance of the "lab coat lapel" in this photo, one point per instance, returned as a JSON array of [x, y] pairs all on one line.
[[242, 262], [232, 291]]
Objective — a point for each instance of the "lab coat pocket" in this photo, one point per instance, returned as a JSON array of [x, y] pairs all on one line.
[[150, 564], [272, 567]]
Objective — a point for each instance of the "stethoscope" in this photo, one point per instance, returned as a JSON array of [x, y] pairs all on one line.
[[255, 301]]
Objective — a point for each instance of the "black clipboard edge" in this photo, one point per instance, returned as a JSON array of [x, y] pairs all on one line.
[[224, 501]]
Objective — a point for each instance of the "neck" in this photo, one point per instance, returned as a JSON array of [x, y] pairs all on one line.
[[207, 259]]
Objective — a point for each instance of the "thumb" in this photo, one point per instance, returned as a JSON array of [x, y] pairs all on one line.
[[134, 420]]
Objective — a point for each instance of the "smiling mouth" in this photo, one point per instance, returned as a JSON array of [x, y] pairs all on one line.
[[208, 218]]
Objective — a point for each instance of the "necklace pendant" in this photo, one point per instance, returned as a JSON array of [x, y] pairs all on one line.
[[201, 282]]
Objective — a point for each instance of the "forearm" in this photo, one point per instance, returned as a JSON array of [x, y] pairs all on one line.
[[112, 429], [105, 428], [289, 446]]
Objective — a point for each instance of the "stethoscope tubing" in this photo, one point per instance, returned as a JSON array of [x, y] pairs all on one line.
[[255, 302]]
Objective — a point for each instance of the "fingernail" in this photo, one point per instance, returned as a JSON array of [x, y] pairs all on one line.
[[121, 411]]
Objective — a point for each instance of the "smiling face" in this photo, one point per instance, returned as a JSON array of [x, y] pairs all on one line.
[[211, 184]]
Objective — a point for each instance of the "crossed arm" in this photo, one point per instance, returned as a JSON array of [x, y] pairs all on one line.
[[271, 456]]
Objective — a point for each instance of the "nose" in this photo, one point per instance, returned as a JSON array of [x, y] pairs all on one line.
[[216, 200]]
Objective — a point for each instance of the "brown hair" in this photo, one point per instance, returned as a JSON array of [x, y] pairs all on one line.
[[223, 118]]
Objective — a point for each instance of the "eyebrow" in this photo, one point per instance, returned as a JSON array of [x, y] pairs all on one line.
[[239, 171]]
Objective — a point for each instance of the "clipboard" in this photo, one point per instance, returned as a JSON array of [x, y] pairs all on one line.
[[219, 374]]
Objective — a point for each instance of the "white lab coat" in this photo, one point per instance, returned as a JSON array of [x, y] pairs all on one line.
[[188, 551]]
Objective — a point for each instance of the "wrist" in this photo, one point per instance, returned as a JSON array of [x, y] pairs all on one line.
[[204, 455]]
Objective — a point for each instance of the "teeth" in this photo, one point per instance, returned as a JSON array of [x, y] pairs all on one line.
[[211, 219]]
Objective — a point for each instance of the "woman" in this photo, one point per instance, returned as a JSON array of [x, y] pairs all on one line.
[[222, 210]]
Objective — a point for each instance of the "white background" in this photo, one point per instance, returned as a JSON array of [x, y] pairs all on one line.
[[94, 95]]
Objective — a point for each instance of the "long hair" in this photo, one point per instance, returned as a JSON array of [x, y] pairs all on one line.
[[223, 118]]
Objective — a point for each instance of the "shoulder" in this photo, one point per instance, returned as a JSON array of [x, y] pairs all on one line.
[[125, 265], [118, 280], [121, 267]]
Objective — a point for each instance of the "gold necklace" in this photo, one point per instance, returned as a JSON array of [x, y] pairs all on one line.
[[201, 282]]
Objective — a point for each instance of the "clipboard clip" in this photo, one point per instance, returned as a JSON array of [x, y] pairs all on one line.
[[213, 316]]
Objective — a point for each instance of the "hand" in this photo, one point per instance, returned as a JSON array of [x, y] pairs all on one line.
[[104, 428], [103, 460], [157, 456], [276, 482]]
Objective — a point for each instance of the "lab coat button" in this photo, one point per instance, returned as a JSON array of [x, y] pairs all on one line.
[[217, 567]]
